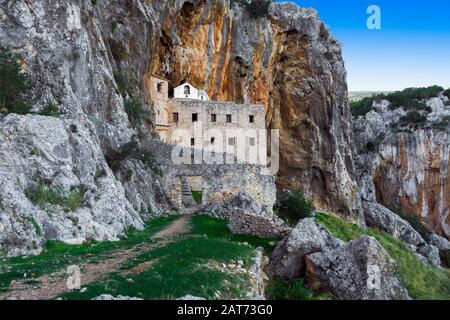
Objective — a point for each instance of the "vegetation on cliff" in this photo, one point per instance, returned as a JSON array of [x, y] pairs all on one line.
[[296, 207], [410, 98], [255, 8], [13, 84]]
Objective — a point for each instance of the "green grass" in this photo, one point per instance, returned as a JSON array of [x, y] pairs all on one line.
[[46, 196], [50, 110], [179, 267], [197, 195], [58, 255], [218, 228], [36, 226], [423, 281], [294, 289]]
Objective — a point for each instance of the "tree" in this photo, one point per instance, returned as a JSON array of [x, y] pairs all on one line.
[[13, 83]]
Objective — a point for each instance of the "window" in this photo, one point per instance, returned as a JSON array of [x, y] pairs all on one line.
[[175, 117], [194, 117], [229, 119], [214, 118], [232, 141], [192, 142], [252, 119], [160, 87], [252, 141], [213, 140], [187, 90]]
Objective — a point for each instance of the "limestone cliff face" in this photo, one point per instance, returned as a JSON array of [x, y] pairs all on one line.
[[68, 50], [286, 61], [89, 57], [407, 164]]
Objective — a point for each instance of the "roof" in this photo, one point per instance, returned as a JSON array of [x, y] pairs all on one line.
[[184, 84], [159, 77]]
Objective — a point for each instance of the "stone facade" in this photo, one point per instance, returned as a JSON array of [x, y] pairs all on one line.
[[192, 121], [158, 92], [220, 183]]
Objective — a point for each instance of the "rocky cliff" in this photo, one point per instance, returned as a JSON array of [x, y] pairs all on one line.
[[403, 157], [91, 58], [286, 61]]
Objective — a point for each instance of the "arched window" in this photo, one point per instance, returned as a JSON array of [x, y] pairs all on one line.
[[187, 89]]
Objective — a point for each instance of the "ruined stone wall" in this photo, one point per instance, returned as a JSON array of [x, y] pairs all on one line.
[[220, 182]]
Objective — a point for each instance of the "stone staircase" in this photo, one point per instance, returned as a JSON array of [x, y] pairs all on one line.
[[186, 194]]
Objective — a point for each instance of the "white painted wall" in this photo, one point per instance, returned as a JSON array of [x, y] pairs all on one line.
[[179, 92], [194, 93]]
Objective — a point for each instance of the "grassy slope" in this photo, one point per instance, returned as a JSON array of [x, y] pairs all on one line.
[[179, 268], [422, 281], [58, 255]]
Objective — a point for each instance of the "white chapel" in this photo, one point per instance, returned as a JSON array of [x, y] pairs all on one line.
[[188, 91]]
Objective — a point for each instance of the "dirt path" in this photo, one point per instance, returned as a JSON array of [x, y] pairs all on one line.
[[178, 227], [52, 285]]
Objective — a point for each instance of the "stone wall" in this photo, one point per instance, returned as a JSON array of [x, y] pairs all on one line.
[[219, 182], [240, 116]]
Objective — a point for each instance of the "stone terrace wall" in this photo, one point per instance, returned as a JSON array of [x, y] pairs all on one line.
[[220, 182]]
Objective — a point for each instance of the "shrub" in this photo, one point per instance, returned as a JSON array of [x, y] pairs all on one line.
[[414, 118], [408, 98], [135, 112], [447, 93], [134, 151], [445, 257], [44, 196], [118, 50], [414, 220], [50, 110], [122, 79], [13, 84], [295, 208], [255, 8], [114, 26], [361, 107]]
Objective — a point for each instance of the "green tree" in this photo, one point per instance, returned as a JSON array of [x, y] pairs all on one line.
[[295, 207], [13, 84]]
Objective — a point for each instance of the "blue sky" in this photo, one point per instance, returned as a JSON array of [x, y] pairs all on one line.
[[412, 48]]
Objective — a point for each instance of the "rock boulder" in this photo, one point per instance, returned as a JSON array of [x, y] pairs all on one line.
[[288, 258], [359, 270]]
